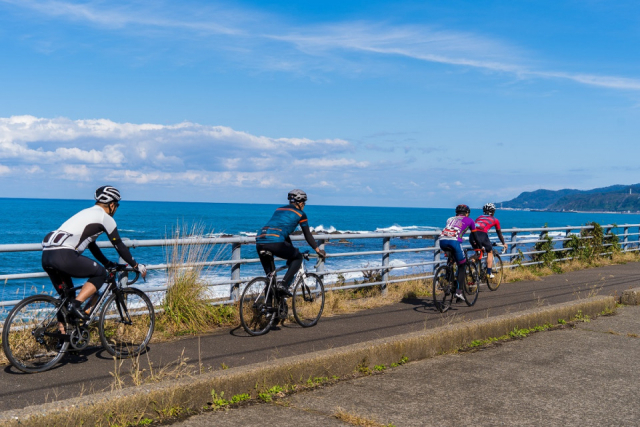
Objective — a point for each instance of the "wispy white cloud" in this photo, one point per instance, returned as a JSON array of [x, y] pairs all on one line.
[[260, 38], [330, 163], [76, 172]]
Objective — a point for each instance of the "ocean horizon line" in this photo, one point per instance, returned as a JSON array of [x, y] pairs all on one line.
[[233, 203]]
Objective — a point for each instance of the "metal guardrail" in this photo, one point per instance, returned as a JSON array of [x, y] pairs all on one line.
[[517, 246]]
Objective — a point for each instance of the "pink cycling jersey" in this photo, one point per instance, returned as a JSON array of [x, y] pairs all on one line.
[[485, 222]]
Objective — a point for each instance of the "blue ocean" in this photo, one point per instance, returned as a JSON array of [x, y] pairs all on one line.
[[29, 220]]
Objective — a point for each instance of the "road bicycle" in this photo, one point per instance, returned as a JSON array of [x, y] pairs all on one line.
[[262, 306], [445, 283], [480, 260], [39, 330]]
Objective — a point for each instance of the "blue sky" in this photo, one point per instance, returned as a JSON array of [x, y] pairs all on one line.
[[359, 103]]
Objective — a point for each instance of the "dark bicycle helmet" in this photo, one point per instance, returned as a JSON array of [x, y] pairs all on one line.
[[297, 196], [489, 208], [462, 209], [107, 194]]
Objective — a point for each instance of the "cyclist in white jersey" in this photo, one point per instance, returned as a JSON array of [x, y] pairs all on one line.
[[62, 249]]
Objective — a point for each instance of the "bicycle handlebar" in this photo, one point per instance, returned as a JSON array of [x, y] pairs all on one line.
[[125, 268], [307, 256]]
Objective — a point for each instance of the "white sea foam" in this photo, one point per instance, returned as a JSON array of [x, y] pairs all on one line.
[[322, 229], [395, 228]]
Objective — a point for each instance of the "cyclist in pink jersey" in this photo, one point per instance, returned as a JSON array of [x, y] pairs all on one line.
[[480, 239]]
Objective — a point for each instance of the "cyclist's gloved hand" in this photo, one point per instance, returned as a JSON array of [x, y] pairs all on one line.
[[142, 269], [321, 253], [504, 248]]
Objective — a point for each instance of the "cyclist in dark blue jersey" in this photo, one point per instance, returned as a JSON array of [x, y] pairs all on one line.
[[273, 239]]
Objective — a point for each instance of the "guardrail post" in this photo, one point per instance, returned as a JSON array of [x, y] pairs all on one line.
[[566, 236], [625, 240], [320, 267], [386, 246], [604, 238], [436, 254], [234, 292], [514, 244]]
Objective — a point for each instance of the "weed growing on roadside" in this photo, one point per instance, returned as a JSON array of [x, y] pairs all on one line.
[[402, 361], [357, 420]]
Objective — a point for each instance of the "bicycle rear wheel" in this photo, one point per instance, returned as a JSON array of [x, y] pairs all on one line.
[[498, 272], [257, 315], [443, 288], [308, 300], [470, 287], [30, 336], [126, 323]]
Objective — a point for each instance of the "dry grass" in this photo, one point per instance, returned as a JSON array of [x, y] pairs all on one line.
[[351, 300], [357, 420], [138, 375], [186, 306], [519, 274]]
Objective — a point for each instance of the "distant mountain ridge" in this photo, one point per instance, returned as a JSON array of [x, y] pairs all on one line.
[[616, 198]]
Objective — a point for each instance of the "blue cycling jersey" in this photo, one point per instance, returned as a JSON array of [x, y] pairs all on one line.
[[283, 222]]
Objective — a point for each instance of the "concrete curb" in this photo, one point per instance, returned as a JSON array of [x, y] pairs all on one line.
[[195, 392]]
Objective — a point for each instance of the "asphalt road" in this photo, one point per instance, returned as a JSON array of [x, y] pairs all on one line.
[[92, 370]]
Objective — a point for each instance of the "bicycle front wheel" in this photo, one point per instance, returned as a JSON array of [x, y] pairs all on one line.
[[471, 283], [31, 339], [498, 272], [126, 323], [308, 300], [443, 288], [256, 313]]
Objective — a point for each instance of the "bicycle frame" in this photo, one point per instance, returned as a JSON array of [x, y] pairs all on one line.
[[115, 281]]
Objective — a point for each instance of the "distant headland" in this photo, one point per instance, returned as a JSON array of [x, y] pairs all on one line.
[[616, 198]]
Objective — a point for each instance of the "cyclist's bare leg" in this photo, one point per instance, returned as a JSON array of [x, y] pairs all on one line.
[[87, 290], [92, 302], [489, 259]]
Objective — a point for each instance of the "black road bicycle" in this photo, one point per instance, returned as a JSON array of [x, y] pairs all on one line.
[[261, 305], [445, 284], [480, 260], [32, 338]]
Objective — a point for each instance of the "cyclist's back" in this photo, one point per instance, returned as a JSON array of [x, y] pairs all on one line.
[[484, 223], [283, 222]]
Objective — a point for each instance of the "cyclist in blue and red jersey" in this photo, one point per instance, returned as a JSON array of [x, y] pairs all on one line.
[[273, 238], [480, 239], [451, 239]]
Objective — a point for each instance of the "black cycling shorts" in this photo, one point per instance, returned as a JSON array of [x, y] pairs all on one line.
[[63, 264], [284, 250], [480, 239]]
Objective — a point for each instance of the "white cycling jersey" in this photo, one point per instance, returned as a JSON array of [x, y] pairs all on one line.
[[80, 230]]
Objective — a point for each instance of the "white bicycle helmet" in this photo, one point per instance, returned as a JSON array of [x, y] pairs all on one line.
[[489, 208], [107, 194]]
